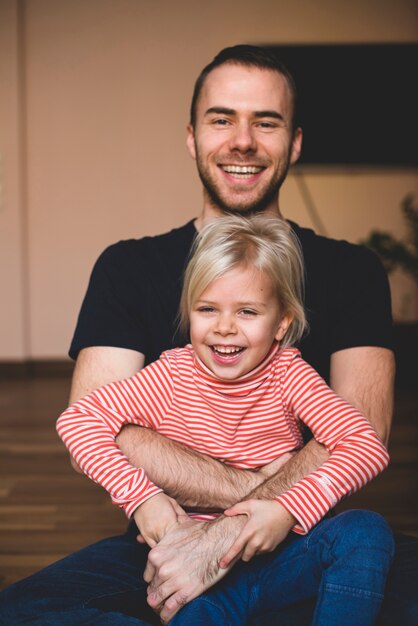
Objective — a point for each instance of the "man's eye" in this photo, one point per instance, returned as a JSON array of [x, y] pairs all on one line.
[[267, 125], [221, 122]]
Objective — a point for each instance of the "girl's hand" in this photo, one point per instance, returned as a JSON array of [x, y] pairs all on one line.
[[156, 516], [268, 524]]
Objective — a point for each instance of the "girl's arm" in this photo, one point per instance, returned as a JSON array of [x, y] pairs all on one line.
[[89, 428], [357, 453]]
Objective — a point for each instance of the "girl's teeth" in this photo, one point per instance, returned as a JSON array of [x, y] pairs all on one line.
[[226, 350]]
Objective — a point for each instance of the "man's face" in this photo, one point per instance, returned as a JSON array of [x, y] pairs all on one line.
[[243, 141]]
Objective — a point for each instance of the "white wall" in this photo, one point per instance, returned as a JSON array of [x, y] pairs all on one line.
[[104, 93]]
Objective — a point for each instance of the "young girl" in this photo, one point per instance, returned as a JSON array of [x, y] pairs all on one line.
[[239, 393]]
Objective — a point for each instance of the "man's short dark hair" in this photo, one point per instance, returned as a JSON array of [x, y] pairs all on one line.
[[247, 56]]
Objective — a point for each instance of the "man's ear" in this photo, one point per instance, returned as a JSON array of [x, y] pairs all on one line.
[[283, 326], [190, 141], [296, 146]]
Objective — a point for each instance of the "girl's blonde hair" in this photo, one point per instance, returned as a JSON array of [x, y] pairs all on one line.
[[262, 242]]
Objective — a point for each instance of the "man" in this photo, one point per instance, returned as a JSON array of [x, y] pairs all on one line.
[[244, 135]]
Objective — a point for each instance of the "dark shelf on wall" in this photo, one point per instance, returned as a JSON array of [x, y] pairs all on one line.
[[357, 102], [406, 352]]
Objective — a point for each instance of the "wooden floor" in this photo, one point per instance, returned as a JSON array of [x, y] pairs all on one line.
[[48, 511]]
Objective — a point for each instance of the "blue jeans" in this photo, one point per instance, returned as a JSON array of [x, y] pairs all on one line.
[[343, 563], [102, 584]]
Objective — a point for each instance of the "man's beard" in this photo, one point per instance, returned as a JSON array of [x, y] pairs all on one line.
[[257, 205]]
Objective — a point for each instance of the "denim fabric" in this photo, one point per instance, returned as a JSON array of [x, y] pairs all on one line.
[[102, 584], [400, 605], [343, 562]]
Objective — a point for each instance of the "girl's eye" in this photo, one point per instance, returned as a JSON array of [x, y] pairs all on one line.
[[248, 312], [205, 309]]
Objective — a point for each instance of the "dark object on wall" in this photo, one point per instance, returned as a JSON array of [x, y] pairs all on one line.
[[358, 103]]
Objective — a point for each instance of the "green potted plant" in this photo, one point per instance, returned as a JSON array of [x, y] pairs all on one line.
[[394, 252]]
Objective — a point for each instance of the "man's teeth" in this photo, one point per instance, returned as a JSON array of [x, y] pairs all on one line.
[[241, 169], [227, 349]]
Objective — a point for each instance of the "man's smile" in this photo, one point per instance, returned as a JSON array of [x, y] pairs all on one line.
[[241, 169], [242, 173]]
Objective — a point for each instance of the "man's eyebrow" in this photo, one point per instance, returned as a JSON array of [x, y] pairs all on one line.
[[221, 110], [275, 114], [259, 114]]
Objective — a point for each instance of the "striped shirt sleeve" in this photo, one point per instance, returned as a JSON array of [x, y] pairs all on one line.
[[357, 453], [89, 427]]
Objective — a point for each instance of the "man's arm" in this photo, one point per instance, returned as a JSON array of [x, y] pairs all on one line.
[[364, 377], [201, 483], [198, 482], [99, 365]]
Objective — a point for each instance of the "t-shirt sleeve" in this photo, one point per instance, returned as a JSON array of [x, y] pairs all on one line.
[[361, 304], [110, 315]]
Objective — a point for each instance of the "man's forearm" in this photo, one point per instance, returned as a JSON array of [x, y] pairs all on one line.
[[310, 458], [201, 483], [307, 460], [195, 480]]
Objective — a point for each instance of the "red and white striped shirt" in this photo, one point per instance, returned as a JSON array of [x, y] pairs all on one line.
[[245, 423]]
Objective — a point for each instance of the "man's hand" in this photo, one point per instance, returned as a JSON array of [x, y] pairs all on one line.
[[156, 516], [186, 562], [268, 524]]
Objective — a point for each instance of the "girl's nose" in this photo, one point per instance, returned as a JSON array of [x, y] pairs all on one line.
[[225, 324]]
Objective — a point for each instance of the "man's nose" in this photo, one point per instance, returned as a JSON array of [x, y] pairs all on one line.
[[242, 138]]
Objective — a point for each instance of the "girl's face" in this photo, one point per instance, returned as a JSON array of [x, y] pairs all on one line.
[[235, 321]]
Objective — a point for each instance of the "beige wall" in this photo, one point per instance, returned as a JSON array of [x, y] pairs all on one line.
[[94, 103], [13, 338]]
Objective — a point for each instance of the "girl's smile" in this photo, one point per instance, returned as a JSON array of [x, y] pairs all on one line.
[[235, 321]]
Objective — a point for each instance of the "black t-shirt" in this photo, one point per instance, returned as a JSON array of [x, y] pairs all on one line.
[[134, 291]]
